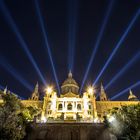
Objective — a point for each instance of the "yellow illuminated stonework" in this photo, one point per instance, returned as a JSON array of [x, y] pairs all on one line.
[[71, 106]]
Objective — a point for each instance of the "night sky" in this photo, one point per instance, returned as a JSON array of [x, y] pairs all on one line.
[[72, 28]]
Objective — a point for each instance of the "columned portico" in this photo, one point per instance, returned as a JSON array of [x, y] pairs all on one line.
[[70, 105]]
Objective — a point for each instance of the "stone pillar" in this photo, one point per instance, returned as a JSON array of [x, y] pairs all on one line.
[[63, 107], [94, 107], [85, 102], [53, 106], [73, 108], [44, 108]]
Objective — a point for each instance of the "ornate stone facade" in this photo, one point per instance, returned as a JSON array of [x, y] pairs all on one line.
[[71, 106]]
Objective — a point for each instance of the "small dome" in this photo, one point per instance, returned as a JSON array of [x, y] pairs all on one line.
[[69, 80], [70, 85], [132, 97]]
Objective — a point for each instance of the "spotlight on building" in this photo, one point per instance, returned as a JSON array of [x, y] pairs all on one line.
[[90, 90], [111, 119], [43, 119], [96, 120], [49, 89]]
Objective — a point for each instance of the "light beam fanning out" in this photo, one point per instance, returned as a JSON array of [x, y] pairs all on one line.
[[15, 74], [46, 42], [123, 70], [23, 44], [125, 90], [118, 45], [72, 25], [105, 20]]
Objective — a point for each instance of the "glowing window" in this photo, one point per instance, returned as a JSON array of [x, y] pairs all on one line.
[[60, 107], [89, 106], [79, 106], [89, 112], [49, 106], [69, 107]]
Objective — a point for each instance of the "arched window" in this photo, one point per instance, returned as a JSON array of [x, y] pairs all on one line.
[[79, 106], [69, 107], [89, 105], [49, 106], [60, 107]]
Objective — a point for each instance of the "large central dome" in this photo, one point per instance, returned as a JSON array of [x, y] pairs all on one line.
[[69, 85]]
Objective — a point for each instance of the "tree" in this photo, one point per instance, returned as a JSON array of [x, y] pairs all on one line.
[[14, 117], [12, 122], [124, 122], [29, 113]]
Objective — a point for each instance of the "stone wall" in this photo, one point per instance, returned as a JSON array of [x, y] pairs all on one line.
[[68, 131]]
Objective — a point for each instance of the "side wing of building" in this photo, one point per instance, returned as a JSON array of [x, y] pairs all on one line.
[[104, 106]]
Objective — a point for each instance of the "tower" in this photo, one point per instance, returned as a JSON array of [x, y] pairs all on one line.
[[91, 94], [49, 104], [5, 90], [35, 94], [103, 96], [89, 103], [132, 97]]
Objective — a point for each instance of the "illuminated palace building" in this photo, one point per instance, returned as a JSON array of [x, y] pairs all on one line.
[[72, 106]]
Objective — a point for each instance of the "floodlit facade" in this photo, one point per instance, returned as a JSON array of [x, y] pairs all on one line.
[[72, 106], [69, 105]]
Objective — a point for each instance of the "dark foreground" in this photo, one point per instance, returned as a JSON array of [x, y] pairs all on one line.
[[68, 131]]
